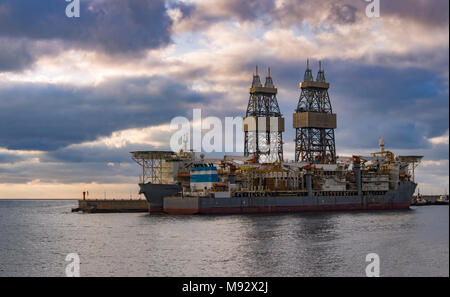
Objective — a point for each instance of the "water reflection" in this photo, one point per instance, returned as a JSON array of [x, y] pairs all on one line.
[[37, 235], [291, 244]]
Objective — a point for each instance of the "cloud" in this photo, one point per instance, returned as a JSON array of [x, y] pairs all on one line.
[[285, 13], [114, 148], [432, 177], [47, 117], [116, 27], [318, 14], [9, 158], [200, 14], [406, 106], [15, 54], [429, 12], [67, 173]]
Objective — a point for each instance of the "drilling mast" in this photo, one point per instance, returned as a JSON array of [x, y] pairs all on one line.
[[263, 123], [314, 120]]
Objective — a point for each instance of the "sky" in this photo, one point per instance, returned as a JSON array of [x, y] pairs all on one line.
[[78, 94]]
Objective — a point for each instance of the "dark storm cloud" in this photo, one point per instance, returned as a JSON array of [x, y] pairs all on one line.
[[317, 14], [47, 117], [430, 12], [9, 158], [97, 153], [113, 26], [404, 105], [15, 54], [67, 173], [426, 12], [438, 152]]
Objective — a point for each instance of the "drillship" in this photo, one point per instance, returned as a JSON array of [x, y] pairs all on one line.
[[260, 181]]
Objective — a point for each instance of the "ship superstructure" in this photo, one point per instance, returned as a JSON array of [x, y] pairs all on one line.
[[182, 183]]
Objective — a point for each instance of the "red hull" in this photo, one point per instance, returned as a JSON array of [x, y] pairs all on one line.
[[155, 209], [283, 209]]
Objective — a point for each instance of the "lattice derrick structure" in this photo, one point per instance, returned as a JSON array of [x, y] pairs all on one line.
[[263, 142], [314, 143], [314, 140]]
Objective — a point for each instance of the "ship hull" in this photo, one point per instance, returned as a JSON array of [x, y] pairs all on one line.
[[344, 201], [155, 193], [281, 209]]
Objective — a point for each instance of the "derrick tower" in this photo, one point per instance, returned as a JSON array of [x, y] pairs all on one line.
[[263, 123], [314, 120]]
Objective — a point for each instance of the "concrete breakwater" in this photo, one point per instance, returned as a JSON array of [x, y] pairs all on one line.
[[111, 205]]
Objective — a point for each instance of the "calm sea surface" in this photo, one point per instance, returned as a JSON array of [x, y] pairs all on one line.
[[36, 236]]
